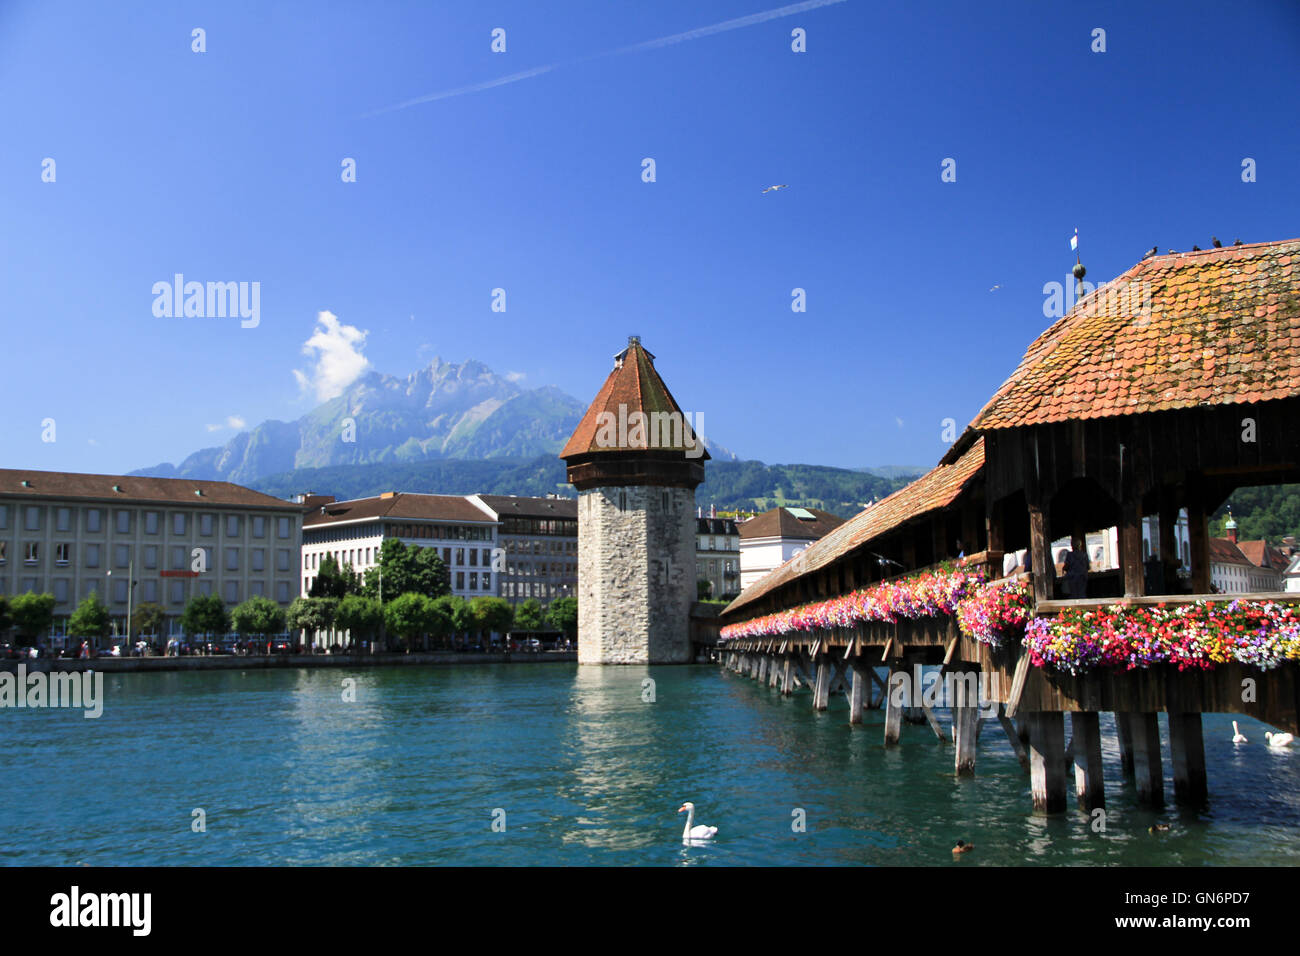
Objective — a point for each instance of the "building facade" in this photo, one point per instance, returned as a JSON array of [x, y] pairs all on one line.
[[717, 556], [538, 540], [774, 537], [71, 534]]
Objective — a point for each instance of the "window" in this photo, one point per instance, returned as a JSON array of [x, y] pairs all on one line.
[[204, 586], [123, 518], [460, 555], [259, 526], [473, 560], [205, 525], [61, 590], [62, 550], [282, 527], [259, 559], [178, 522], [93, 518], [151, 522], [460, 580], [63, 519], [257, 588], [31, 552], [33, 518], [306, 562], [92, 555], [232, 559], [473, 580], [282, 591], [178, 558], [176, 592], [282, 559], [232, 592], [121, 555], [4, 516], [4, 552], [149, 590], [232, 526], [487, 558], [622, 501], [151, 556]]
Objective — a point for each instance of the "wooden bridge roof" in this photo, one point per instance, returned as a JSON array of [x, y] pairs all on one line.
[[934, 490], [1214, 327]]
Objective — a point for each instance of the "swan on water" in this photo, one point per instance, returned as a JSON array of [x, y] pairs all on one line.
[[700, 832], [1237, 736], [1278, 740]]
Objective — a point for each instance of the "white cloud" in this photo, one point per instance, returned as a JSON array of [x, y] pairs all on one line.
[[232, 421], [900, 421], [516, 376], [336, 349]]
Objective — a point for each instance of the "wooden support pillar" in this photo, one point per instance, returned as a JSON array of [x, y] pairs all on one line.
[[762, 668], [894, 710], [966, 716], [1198, 533], [1124, 737], [1187, 747], [774, 671], [909, 548], [1130, 543], [787, 676], [821, 689], [1013, 736], [856, 693], [1047, 760], [1089, 785], [1170, 559], [1148, 773], [1041, 564], [993, 522]]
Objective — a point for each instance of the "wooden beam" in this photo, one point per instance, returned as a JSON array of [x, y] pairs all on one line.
[[821, 690], [966, 723], [1017, 685], [1089, 785], [1047, 760], [931, 719], [1198, 533], [1013, 735], [1187, 747], [855, 695], [1042, 567], [1124, 740], [1148, 776], [893, 709]]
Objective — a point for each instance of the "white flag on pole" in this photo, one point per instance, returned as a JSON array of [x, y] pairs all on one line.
[[1074, 241]]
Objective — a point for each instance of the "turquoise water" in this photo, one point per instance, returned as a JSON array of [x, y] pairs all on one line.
[[585, 770]]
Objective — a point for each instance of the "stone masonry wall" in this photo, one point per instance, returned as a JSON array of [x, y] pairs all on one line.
[[636, 574]]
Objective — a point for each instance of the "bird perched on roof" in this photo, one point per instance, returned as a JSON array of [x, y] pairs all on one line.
[[782, 186], [1196, 248], [1217, 243], [1236, 242], [1154, 250]]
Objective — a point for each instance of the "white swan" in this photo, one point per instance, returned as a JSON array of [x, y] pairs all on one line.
[[1278, 740], [692, 833], [1237, 736]]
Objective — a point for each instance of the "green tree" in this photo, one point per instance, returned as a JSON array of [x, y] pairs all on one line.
[[456, 609], [563, 615], [311, 614], [404, 570], [489, 614], [409, 616], [703, 588], [90, 619], [360, 616], [205, 614], [33, 614], [331, 581], [6, 617], [528, 616], [258, 615], [149, 618]]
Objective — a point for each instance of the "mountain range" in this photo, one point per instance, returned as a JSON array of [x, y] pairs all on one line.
[[446, 411]]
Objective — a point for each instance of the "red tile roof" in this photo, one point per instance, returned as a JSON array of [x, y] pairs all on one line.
[[781, 523], [400, 505], [633, 386], [134, 489], [1261, 554], [1220, 326], [1223, 551], [936, 489]]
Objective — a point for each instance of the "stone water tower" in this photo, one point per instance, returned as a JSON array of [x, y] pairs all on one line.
[[636, 461]]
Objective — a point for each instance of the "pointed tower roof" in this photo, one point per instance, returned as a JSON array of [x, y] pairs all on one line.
[[635, 419]]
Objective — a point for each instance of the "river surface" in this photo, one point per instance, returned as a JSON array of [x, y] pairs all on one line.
[[578, 768]]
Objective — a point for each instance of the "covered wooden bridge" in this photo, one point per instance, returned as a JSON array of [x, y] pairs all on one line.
[[1158, 394]]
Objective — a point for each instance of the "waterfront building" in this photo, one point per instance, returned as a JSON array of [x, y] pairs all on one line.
[[71, 534], [538, 541], [636, 461], [463, 532], [774, 537], [717, 555]]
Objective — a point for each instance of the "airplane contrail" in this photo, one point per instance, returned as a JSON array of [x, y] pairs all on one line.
[[734, 24]]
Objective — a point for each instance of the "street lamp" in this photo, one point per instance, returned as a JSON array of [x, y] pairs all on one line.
[[130, 592]]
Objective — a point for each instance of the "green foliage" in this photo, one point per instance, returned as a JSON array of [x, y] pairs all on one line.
[[362, 616], [703, 588], [312, 613], [731, 485], [409, 615], [489, 614], [456, 609], [149, 618], [1267, 511], [413, 570], [32, 614], [528, 616], [563, 615], [331, 581], [205, 615], [6, 618], [258, 615], [90, 619]]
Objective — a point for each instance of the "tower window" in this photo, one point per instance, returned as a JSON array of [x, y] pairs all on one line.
[[622, 501], [665, 501]]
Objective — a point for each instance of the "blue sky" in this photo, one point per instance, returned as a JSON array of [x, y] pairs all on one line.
[[225, 166]]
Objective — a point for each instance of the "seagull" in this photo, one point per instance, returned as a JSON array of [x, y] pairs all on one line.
[[770, 188], [1237, 736], [1217, 243], [995, 288]]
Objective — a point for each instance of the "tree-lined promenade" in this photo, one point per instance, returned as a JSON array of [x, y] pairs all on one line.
[[404, 603]]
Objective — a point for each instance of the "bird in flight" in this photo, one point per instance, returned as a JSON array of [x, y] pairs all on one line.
[[770, 188], [995, 288]]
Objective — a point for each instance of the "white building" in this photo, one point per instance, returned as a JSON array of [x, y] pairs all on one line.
[[768, 540]]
